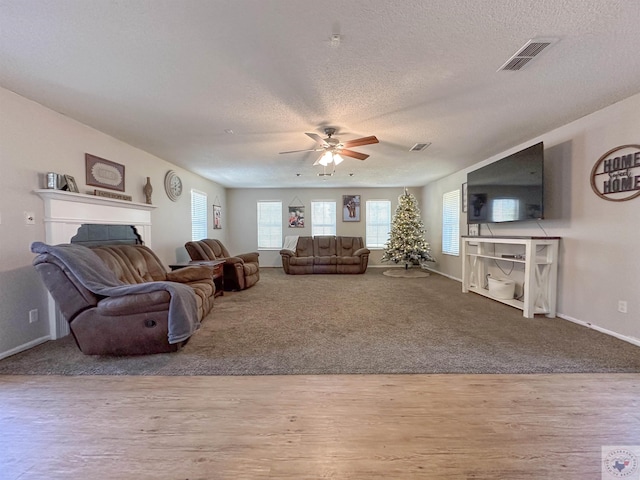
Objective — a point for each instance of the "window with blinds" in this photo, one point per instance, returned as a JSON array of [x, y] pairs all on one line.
[[378, 223], [198, 215], [451, 223], [269, 225], [323, 218]]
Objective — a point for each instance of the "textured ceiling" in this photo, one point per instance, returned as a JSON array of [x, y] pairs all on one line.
[[169, 77]]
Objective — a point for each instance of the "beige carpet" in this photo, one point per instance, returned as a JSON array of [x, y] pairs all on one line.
[[371, 323]]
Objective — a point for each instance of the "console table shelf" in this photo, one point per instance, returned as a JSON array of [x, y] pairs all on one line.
[[540, 260]]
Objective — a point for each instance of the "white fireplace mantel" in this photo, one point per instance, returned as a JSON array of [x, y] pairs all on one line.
[[65, 212]]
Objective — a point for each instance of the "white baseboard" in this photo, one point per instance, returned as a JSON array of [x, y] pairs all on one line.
[[443, 274], [632, 340], [25, 346]]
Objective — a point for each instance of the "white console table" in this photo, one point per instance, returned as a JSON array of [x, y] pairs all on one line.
[[539, 256]]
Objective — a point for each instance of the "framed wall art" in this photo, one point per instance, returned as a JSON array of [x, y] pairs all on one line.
[[296, 216], [351, 208], [104, 173], [464, 197], [217, 217]]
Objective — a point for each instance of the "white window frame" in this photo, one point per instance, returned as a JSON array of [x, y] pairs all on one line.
[[451, 223], [199, 215], [269, 224], [323, 226], [377, 225]]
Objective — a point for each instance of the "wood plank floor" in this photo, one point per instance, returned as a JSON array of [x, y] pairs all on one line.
[[307, 427]]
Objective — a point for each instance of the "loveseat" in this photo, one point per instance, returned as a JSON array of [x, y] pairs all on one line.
[[120, 300], [240, 271], [325, 254]]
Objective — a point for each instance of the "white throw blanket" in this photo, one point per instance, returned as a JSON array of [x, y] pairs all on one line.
[[290, 242]]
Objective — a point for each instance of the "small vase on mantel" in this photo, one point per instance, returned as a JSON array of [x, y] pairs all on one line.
[[148, 190]]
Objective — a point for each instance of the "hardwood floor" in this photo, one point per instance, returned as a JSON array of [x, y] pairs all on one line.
[[303, 427]]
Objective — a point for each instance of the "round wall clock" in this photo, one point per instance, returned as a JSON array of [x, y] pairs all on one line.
[[173, 185]]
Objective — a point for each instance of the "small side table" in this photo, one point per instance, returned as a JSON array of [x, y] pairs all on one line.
[[218, 272]]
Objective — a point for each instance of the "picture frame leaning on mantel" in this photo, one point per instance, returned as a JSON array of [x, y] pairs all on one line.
[[104, 173], [72, 186]]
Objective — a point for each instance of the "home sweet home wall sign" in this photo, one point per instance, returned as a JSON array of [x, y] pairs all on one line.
[[616, 174]]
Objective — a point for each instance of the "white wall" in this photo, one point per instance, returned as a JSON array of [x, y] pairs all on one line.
[[599, 254], [243, 215], [34, 140]]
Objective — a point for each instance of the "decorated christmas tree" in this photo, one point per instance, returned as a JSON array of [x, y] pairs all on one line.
[[406, 242]]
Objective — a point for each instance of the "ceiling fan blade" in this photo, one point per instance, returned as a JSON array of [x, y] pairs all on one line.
[[312, 150], [352, 154], [317, 138], [360, 141]]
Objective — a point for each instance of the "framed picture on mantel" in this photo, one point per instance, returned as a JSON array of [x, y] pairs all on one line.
[[104, 173]]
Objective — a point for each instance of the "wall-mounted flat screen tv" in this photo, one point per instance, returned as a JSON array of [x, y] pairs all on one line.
[[508, 190]]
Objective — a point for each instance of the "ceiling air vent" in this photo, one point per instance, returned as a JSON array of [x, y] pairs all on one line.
[[528, 52], [418, 147]]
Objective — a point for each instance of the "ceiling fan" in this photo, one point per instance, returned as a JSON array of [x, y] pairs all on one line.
[[334, 149]]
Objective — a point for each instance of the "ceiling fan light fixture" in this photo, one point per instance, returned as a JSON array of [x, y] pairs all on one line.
[[334, 150], [325, 159]]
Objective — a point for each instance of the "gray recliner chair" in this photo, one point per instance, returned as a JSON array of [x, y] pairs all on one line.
[[240, 271]]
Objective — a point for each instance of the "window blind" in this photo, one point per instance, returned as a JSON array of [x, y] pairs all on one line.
[[323, 218], [451, 223], [198, 215], [269, 225], [378, 223]]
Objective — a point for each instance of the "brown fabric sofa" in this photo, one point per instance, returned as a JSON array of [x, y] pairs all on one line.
[[132, 324], [326, 254], [240, 271]]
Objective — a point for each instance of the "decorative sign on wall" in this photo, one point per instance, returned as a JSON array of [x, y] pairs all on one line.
[[616, 174], [104, 173]]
